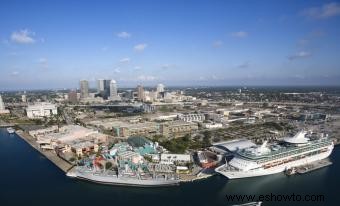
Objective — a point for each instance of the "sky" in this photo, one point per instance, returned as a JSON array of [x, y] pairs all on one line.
[[54, 44]]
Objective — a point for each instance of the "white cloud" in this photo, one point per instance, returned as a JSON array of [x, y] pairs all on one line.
[[300, 55], [322, 12], [140, 47], [23, 37], [217, 43], [239, 34], [146, 78], [124, 35], [125, 60]]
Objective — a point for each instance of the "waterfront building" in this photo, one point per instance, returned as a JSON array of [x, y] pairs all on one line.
[[42, 109], [178, 159], [3, 110], [84, 89], [71, 138], [82, 147]]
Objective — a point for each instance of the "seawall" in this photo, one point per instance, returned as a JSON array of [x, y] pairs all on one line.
[[51, 155]]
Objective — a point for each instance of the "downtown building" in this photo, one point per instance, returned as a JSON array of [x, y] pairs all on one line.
[[84, 89], [103, 88]]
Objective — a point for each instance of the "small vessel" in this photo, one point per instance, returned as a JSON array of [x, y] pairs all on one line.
[[250, 204], [10, 130], [290, 171]]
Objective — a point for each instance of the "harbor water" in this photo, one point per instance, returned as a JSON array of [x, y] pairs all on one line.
[[28, 178]]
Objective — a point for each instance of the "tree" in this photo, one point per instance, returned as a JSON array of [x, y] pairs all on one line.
[[108, 165]]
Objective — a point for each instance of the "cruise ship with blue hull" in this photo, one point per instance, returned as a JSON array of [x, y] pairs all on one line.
[[271, 159]]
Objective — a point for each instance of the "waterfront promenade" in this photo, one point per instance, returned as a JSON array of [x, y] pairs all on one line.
[[59, 162]]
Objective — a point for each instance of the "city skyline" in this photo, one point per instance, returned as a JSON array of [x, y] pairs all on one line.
[[219, 43]]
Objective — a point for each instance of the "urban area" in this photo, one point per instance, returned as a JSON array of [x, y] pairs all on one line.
[[159, 136]]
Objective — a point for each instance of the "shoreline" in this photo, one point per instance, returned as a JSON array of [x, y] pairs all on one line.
[[65, 166], [57, 161]]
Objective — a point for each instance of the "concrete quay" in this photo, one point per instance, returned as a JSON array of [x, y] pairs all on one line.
[[59, 162]]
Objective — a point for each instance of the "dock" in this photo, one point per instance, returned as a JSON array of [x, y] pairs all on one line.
[[51, 155], [313, 166]]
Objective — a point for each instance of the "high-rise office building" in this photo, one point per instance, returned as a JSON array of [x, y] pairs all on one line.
[[103, 87], [113, 90], [84, 89], [100, 85], [140, 93]]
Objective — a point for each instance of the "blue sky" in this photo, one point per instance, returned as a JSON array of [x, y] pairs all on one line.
[[54, 44]]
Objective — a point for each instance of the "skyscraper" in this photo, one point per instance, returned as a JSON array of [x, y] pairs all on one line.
[[100, 85], [140, 93], [113, 90], [103, 87], [84, 89]]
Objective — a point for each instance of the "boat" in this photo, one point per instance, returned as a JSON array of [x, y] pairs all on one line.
[[10, 130], [250, 204], [290, 171], [264, 160], [112, 178]]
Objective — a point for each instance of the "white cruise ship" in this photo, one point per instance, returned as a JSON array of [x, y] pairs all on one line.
[[271, 159]]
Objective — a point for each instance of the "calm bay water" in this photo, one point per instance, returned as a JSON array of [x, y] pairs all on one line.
[[28, 178]]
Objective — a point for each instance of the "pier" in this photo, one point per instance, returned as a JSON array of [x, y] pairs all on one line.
[[59, 162], [313, 166]]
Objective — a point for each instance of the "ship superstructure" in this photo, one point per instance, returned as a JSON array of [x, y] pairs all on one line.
[[270, 159]]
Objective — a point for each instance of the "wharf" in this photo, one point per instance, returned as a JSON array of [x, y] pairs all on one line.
[[51, 155], [313, 166]]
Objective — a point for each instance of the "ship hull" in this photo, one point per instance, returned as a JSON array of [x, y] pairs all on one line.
[[122, 181], [281, 168]]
